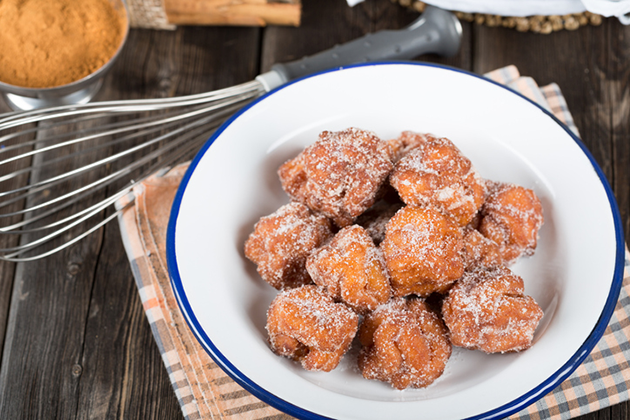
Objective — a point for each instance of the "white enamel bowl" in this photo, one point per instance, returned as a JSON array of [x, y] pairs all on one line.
[[575, 274]]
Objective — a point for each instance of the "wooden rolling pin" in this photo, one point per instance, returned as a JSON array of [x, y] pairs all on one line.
[[166, 14], [233, 12]]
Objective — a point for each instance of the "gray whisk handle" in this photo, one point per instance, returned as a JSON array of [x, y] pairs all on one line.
[[435, 31]]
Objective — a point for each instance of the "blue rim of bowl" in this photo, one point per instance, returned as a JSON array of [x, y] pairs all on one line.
[[498, 413]]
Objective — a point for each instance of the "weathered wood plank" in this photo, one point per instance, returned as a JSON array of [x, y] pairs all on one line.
[[45, 328], [120, 372], [7, 274], [133, 382], [8, 241], [618, 85], [45, 335]]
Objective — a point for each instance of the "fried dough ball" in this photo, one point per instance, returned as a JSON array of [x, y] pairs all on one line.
[[282, 241], [437, 174], [487, 310], [352, 269], [405, 344], [375, 219], [511, 217], [479, 251], [423, 251], [339, 175], [306, 325], [407, 141]]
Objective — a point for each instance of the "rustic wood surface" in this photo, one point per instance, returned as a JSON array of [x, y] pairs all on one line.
[[74, 339]]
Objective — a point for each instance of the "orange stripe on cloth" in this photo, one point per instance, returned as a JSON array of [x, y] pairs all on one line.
[[151, 303]]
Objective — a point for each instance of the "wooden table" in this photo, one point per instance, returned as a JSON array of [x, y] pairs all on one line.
[[75, 340]]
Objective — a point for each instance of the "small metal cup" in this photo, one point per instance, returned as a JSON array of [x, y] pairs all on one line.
[[77, 92]]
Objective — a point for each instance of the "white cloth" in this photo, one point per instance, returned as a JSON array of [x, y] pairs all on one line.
[[618, 8], [512, 7]]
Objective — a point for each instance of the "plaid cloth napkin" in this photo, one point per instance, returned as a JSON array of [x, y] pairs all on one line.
[[204, 391]]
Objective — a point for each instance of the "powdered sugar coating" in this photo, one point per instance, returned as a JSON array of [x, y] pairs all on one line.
[[406, 142], [339, 175], [404, 343], [487, 310], [479, 251], [352, 269], [282, 241], [437, 174], [307, 325], [423, 251], [511, 216]]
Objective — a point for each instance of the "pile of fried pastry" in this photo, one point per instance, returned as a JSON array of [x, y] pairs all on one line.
[[401, 244]]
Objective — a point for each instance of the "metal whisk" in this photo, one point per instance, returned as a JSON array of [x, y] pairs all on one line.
[[61, 149]]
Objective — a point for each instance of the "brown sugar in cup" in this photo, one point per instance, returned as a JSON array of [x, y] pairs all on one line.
[[49, 43], [55, 52]]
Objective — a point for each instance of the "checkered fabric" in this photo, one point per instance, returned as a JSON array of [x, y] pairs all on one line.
[[204, 391]]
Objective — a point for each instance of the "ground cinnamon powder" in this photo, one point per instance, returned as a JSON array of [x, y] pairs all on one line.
[[47, 43]]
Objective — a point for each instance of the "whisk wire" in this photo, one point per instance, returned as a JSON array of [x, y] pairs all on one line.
[[108, 179], [96, 208], [153, 134], [250, 89], [72, 173], [99, 146], [14, 252], [133, 127], [14, 257]]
